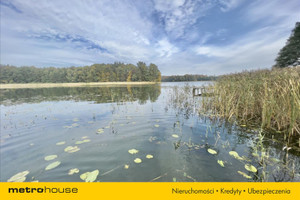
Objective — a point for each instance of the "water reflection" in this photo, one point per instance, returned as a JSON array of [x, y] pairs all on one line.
[[96, 94], [275, 158], [166, 123]]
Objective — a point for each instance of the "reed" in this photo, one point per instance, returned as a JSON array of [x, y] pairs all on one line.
[[270, 98]]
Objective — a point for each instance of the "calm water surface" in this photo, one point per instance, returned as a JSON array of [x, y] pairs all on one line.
[[146, 118]]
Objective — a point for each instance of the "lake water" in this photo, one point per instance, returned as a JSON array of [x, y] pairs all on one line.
[[159, 120]]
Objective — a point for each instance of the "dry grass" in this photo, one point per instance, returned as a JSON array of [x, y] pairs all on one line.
[[51, 85], [270, 98]]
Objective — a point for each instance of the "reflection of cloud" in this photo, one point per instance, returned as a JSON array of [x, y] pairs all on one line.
[[180, 36]]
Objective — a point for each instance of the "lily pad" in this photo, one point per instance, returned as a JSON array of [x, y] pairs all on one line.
[[250, 168], [75, 125], [149, 156], [175, 136], [235, 155], [100, 130], [244, 174], [60, 143], [211, 151], [84, 137], [137, 160], [52, 165], [156, 125], [133, 151], [71, 149], [75, 120], [19, 177], [50, 157], [221, 163], [107, 127], [83, 141], [73, 171], [89, 176], [126, 166]]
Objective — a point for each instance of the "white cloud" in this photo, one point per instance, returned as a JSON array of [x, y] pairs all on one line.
[[166, 32], [227, 5], [114, 25], [180, 15], [165, 48]]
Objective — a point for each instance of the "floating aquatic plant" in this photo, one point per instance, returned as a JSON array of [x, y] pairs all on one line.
[[71, 149], [126, 166], [175, 136], [60, 143], [89, 176], [100, 130], [19, 177], [53, 165], [83, 141], [133, 151], [250, 168], [156, 125], [50, 157], [137, 160], [73, 171], [244, 174], [221, 163], [152, 138], [211, 151], [75, 120], [149, 156], [75, 125], [235, 155]]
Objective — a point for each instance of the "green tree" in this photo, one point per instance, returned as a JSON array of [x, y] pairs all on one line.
[[143, 71], [289, 55]]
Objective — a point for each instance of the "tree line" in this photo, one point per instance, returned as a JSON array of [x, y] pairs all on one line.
[[116, 72], [187, 77]]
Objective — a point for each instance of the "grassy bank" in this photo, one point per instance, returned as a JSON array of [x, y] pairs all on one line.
[[51, 85], [270, 98]]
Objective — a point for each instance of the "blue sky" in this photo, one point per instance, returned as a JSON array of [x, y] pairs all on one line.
[[180, 36]]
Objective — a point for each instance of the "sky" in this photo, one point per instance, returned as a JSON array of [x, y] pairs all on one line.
[[209, 37]]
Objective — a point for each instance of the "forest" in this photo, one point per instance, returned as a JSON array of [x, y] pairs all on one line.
[[187, 77], [116, 72]]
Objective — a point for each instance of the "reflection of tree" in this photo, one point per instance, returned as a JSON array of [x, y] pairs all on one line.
[[96, 94]]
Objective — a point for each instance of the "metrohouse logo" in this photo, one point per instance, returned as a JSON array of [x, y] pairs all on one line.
[[42, 190]]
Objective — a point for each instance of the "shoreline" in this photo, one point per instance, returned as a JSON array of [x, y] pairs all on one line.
[[52, 85]]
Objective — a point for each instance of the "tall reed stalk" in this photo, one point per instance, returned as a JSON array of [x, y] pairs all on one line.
[[270, 98]]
